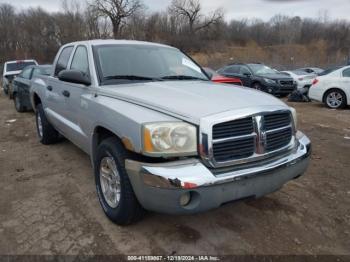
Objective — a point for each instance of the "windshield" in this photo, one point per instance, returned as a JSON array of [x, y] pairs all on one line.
[[330, 70], [18, 66], [299, 73], [261, 69], [120, 63]]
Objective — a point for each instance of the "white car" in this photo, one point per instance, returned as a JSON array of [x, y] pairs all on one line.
[[332, 87], [11, 70], [311, 70], [303, 79]]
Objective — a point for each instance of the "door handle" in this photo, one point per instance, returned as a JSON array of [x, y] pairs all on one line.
[[49, 88], [66, 93]]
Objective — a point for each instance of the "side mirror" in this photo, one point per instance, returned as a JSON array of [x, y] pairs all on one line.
[[74, 76], [247, 74]]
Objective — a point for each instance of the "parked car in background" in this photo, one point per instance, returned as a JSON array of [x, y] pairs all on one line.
[[303, 79], [160, 134], [11, 70], [260, 77], [310, 70], [332, 87], [217, 78], [22, 83]]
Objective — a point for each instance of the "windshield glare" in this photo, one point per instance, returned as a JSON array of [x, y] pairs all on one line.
[[261, 69], [144, 61]]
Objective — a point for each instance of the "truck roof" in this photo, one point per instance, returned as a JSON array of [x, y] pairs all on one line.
[[97, 42], [19, 61]]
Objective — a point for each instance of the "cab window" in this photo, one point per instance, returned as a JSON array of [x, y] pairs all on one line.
[[26, 73], [63, 60], [346, 73], [244, 71], [232, 69], [80, 60]]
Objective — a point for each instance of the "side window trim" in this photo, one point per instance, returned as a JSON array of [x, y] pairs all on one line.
[[247, 68], [59, 56], [73, 55], [31, 73]]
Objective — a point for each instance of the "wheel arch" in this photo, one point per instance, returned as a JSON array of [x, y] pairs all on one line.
[[256, 82], [334, 88], [36, 100], [101, 133]]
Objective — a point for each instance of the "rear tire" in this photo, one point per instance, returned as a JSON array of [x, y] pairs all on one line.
[[18, 103], [113, 186], [46, 132], [335, 99]]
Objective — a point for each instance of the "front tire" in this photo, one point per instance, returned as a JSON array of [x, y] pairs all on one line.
[[46, 132], [257, 86], [113, 186], [335, 99], [18, 103]]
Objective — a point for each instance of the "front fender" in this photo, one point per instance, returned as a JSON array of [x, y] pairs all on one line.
[[123, 119]]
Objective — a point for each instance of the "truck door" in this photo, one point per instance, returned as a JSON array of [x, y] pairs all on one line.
[[75, 111], [56, 102]]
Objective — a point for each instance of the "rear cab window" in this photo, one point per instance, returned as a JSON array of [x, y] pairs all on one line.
[[63, 60], [18, 66]]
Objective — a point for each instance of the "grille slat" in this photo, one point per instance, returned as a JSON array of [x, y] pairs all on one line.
[[234, 128], [278, 140], [274, 121], [234, 149]]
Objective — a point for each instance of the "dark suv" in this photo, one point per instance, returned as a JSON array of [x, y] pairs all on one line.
[[260, 77]]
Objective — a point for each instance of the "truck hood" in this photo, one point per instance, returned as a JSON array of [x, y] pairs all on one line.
[[190, 100]]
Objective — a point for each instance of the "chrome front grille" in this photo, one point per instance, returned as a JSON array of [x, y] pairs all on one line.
[[235, 149], [233, 128], [277, 120], [276, 140], [248, 139]]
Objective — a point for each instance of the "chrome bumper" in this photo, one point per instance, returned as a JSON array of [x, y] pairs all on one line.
[[158, 187]]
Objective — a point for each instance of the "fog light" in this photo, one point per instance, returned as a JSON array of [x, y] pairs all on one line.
[[185, 199]]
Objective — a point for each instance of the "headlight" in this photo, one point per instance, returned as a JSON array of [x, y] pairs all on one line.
[[270, 81], [169, 139], [295, 118]]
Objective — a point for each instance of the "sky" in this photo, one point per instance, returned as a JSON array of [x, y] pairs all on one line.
[[234, 9]]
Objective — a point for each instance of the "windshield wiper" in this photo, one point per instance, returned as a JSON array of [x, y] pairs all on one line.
[[182, 77], [131, 77]]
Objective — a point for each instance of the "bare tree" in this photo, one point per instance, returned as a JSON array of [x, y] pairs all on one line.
[[190, 10], [117, 11]]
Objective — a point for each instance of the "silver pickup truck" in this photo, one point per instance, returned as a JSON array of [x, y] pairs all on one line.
[[160, 135]]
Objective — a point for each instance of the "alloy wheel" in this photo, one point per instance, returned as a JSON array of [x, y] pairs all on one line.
[[110, 181]]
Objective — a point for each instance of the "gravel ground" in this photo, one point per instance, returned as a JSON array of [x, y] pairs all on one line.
[[48, 203]]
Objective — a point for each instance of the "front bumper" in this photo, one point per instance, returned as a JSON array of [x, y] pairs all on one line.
[[159, 187]]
